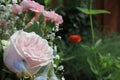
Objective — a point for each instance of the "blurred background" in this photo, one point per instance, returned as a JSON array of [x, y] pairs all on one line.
[[106, 27]]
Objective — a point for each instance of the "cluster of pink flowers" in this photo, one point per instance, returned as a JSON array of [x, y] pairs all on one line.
[[26, 5], [53, 17], [26, 52]]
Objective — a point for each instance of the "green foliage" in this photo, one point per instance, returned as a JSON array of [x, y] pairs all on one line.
[[110, 58], [75, 62], [47, 2], [92, 12], [104, 64], [103, 60]]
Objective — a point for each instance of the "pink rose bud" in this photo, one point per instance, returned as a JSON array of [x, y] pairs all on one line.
[[16, 9], [53, 17], [32, 5], [28, 49]]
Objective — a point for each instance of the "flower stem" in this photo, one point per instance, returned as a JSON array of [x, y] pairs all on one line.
[[91, 23], [96, 51]]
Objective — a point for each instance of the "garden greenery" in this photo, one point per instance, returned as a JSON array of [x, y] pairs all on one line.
[[103, 65]]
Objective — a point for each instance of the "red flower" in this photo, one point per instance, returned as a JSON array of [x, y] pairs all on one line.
[[75, 38]]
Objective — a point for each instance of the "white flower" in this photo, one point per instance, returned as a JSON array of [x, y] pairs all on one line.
[[60, 67], [14, 1], [5, 43], [54, 65], [62, 78], [57, 56]]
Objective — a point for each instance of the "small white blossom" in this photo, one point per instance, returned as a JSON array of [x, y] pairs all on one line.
[[51, 36], [61, 67], [14, 1], [59, 37], [16, 17], [57, 28], [54, 65], [62, 78], [55, 48], [57, 57], [5, 43]]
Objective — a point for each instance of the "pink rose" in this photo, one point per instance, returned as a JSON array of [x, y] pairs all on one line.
[[26, 5], [53, 17], [32, 5], [28, 51], [16, 9]]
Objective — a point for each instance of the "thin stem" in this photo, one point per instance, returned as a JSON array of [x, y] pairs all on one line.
[[1, 41], [91, 23], [93, 38], [1, 44]]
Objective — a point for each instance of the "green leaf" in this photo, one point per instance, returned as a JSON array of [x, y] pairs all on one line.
[[41, 18], [34, 27], [87, 11], [92, 66], [118, 66], [117, 63], [86, 47], [68, 58], [47, 2], [98, 42]]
